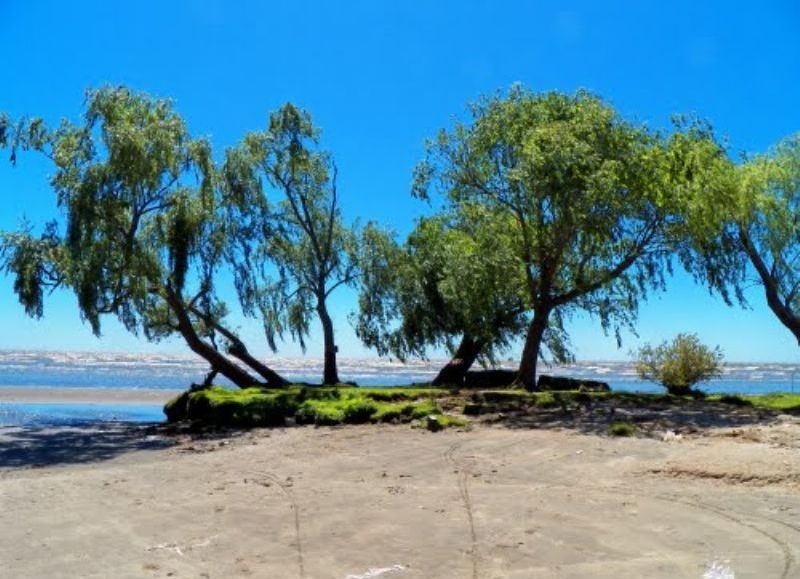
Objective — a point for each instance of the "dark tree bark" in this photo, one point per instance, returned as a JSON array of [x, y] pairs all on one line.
[[330, 374], [240, 351], [781, 309], [217, 361], [533, 345], [455, 371]]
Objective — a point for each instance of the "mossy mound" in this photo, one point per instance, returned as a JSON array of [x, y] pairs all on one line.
[[250, 407]]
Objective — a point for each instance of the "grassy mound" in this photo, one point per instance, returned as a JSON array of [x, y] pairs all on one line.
[[250, 407]]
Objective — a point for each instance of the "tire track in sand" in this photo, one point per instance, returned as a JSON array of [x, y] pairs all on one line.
[[463, 473]]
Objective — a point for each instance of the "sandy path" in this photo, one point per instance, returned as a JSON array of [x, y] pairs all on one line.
[[492, 502]]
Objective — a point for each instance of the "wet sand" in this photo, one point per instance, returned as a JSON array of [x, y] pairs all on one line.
[[46, 395], [494, 501]]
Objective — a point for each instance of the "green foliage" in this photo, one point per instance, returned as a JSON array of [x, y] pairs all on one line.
[[622, 429], [283, 214], [137, 194], [456, 275], [680, 364], [249, 407], [745, 227], [586, 198]]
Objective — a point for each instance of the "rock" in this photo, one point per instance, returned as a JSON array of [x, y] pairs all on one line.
[[432, 423], [490, 378], [563, 383]]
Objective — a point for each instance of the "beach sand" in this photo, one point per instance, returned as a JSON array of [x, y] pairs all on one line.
[[392, 502], [47, 395]]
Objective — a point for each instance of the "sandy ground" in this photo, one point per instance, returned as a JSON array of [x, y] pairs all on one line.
[[498, 501]]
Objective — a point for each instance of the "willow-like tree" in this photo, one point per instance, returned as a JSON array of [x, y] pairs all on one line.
[[287, 263], [454, 284], [752, 234], [587, 195], [142, 239]]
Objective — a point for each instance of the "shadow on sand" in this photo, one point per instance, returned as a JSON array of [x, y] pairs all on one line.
[[597, 417], [39, 446]]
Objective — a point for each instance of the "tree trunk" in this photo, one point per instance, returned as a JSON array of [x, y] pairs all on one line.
[[530, 353], [782, 311], [240, 351], [218, 362], [330, 373], [455, 371]]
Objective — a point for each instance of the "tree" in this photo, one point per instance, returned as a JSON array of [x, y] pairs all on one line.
[[680, 364], [589, 197], [453, 284], [307, 240], [143, 239], [753, 231]]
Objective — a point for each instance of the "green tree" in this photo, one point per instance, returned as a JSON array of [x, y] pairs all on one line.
[[305, 237], [143, 238], [750, 229], [589, 197], [680, 364], [453, 284]]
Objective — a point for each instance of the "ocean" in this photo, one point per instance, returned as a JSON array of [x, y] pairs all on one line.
[[31, 369]]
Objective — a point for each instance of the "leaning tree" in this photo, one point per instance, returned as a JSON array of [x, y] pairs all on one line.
[[589, 196], [143, 236], [453, 284], [749, 232]]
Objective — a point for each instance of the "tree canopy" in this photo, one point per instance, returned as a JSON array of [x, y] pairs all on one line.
[[588, 195], [752, 232], [142, 239], [453, 284], [283, 213]]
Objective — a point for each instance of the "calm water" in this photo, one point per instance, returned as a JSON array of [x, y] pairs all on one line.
[[105, 370]]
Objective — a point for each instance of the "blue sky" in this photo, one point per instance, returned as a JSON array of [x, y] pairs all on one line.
[[381, 77]]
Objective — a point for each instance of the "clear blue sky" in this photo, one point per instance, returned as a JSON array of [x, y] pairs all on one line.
[[379, 78]]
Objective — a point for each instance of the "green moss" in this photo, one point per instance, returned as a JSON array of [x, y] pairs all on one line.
[[547, 400], [622, 429], [780, 401], [307, 405], [731, 399], [401, 393]]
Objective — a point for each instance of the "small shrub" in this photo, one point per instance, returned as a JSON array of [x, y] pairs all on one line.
[[622, 429], [679, 365], [547, 400]]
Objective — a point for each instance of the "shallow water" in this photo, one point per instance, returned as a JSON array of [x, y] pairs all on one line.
[[39, 414]]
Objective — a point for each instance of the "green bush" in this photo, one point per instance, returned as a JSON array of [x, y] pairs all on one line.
[[680, 364], [622, 429]]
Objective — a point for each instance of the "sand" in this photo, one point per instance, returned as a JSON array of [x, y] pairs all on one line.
[[501, 500], [85, 395]]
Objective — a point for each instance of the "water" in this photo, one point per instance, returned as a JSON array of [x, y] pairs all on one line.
[[37, 414], [171, 372]]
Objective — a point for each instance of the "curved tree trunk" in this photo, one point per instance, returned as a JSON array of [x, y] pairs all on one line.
[[330, 374], [782, 310], [218, 362], [455, 371], [530, 353]]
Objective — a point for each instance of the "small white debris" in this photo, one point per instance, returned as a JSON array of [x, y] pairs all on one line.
[[718, 570], [671, 436], [373, 572]]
